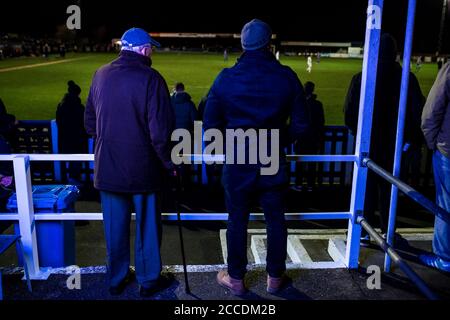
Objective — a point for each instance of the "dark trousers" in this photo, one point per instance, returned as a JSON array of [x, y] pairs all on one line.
[[239, 197], [117, 209], [378, 196]]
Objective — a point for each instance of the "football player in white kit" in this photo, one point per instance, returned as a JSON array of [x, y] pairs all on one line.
[[309, 64]]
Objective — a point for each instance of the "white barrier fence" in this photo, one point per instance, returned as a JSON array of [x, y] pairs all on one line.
[[27, 218]]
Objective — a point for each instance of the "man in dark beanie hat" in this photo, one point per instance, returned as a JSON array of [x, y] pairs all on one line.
[[257, 93]]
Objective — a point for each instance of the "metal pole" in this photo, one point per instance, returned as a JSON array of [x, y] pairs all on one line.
[[410, 192], [399, 261], [401, 125], [368, 84], [442, 28], [180, 231]]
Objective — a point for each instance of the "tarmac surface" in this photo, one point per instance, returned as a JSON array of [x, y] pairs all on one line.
[[205, 256]]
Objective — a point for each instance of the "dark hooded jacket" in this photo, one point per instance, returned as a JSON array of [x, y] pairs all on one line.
[[72, 137], [436, 114], [130, 114], [184, 109], [385, 112], [257, 93]]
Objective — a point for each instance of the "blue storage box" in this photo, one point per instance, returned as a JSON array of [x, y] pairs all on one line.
[[56, 239]]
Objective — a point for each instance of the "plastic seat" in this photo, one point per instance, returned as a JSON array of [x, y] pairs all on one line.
[[6, 241]]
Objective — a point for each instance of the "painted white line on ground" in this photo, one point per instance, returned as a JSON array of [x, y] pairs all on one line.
[[36, 65], [337, 249], [223, 244], [259, 249], [297, 251]]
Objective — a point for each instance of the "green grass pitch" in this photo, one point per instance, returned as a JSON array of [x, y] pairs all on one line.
[[32, 93]]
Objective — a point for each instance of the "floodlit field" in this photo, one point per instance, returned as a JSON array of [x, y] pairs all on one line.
[[32, 87]]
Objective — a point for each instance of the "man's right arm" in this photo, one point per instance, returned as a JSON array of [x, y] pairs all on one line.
[[435, 107]]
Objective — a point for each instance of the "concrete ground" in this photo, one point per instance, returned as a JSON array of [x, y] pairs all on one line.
[[205, 255]]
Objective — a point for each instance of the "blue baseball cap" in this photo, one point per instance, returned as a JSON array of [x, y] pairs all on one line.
[[255, 35], [136, 37]]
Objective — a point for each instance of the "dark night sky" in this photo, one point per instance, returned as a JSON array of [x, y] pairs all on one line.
[[299, 20]]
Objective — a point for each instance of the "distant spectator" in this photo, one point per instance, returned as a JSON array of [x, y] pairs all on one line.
[[62, 50], [8, 125], [72, 137], [46, 50], [184, 108], [314, 142], [384, 127], [440, 62]]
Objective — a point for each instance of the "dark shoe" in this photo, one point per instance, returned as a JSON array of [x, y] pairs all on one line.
[[117, 290], [275, 285], [236, 286], [434, 261], [164, 282]]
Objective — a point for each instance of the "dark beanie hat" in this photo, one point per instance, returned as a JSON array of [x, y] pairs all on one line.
[[255, 35], [73, 88]]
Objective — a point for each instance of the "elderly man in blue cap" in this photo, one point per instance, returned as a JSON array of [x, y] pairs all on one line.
[[130, 115], [257, 93]]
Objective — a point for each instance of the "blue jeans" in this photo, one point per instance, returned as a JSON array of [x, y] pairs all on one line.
[[441, 242], [117, 209]]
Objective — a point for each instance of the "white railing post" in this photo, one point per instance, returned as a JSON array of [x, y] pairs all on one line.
[[368, 86], [25, 209]]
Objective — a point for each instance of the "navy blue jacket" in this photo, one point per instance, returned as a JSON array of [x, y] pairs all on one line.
[[185, 111], [129, 113], [259, 93]]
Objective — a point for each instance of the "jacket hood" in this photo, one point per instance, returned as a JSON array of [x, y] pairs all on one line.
[[388, 48], [181, 97], [257, 55]]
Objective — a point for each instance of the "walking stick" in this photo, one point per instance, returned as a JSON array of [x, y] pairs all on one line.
[[180, 230]]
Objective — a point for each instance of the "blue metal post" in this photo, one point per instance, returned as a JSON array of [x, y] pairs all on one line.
[[368, 85], [401, 125], [56, 164]]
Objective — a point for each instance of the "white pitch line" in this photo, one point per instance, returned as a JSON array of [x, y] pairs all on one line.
[[36, 65]]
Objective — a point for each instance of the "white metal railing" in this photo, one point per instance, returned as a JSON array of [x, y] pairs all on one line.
[[27, 219]]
